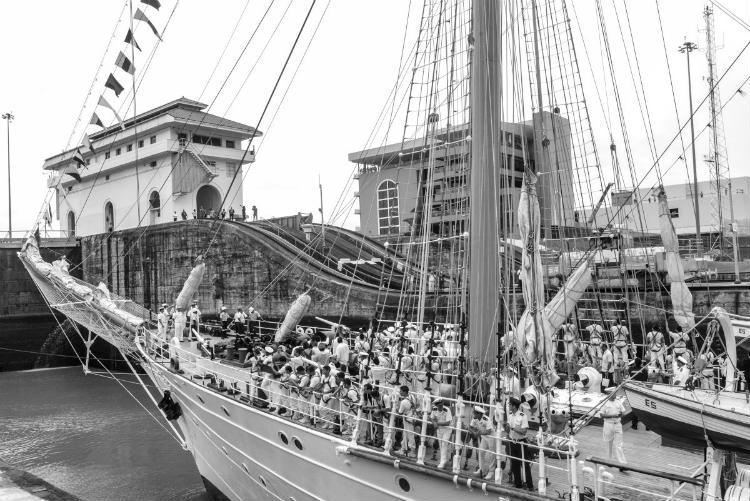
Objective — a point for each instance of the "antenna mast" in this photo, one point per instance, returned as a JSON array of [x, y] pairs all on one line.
[[716, 158]]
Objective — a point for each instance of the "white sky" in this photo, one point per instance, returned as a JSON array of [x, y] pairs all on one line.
[[51, 51]]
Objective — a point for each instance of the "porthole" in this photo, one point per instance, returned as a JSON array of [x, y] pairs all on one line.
[[199, 398], [403, 483], [244, 467], [297, 443], [225, 410], [284, 438], [262, 480]]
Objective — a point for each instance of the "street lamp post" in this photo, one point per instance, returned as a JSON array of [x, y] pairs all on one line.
[[8, 117], [687, 48]]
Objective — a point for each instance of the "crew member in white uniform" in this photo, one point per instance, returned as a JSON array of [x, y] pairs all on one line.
[[162, 324], [594, 348], [656, 348], [442, 419], [179, 324], [481, 427], [682, 373], [517, 426], [612, 411], [620, 350]]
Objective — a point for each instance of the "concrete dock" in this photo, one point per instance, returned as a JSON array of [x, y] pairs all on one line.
[[19, 485]]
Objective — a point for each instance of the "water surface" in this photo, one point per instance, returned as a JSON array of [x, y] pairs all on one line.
[[87, 436]]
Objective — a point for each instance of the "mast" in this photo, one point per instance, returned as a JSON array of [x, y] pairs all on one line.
[[483, 243]]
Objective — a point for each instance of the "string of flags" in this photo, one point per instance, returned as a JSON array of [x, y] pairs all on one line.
[[125, 64]]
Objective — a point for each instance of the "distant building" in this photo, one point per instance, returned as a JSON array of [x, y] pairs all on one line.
[[394, 180], [682, 208], [185, 158]]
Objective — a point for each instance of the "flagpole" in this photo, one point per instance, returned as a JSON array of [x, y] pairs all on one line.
[[9, 117], [135, 125]]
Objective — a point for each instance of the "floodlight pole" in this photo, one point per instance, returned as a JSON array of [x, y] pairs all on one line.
[[8, 117]]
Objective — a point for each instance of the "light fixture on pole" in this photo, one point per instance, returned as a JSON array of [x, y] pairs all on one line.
[[8, 117], [687, 48]]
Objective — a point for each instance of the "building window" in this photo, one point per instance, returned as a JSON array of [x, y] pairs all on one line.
[[674, 213], [388, 216], [212, 141], [71, 224], [152, 140], [118, 151], [140, 143], [231, 168], [229, 143], [106, 178], [106, 155], [109, 217], [154, 202], [153, 163], [130, 147], [517, 142]]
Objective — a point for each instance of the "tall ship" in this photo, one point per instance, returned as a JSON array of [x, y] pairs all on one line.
[[485, 369]]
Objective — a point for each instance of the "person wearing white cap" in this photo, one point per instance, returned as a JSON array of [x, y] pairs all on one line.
[[612, 411], [517, 425], [682, 373], [161, 324], [239, 321], [481, 428], [180, 321], [195, 319], [224, 317], [442, 419], [405, 411]]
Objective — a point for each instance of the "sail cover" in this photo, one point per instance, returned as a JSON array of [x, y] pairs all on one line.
[[534, 332], [682, 299], [191, 285], [561, 306]]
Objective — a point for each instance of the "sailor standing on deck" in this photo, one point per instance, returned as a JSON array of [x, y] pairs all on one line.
[[162, 323], [195, 319], [681, 373], [612, 411], [179, 324], [656, 349], [481, 427], [620, 351], [224, 317], [608, 367], [594, 348], [517, 425], [442, 419]]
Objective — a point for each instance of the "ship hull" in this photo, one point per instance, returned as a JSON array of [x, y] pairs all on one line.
[[688, 417], [242, 454]]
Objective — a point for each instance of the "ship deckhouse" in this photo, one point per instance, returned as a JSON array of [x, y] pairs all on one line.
[[176, 157]]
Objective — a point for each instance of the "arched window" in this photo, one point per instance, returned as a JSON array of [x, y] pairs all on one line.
[[154, 202], [109, 217], [71, 224], [388, 215]]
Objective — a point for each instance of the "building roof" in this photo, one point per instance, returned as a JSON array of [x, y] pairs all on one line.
[[181, 109]]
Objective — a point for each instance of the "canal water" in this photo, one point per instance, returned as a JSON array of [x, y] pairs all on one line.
[[87, 436]]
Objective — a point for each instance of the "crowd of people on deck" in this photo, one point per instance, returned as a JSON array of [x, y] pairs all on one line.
[[329, 378]]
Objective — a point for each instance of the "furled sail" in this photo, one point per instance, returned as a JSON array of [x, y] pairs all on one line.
[[191, 285], [682, 299], [731, 344], [293, 317], [561, 306], [534, 332]]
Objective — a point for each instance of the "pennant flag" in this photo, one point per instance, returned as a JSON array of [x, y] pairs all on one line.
[[78, 158], [129, 38], [153, 3], [87, 143], [113, 84], [139, 15], [95, 120], [72, 172], [124, 63], [48, 215], [105, 103]]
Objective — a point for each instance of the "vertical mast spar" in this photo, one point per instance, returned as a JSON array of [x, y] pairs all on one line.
[[483, 236], [135, 125]]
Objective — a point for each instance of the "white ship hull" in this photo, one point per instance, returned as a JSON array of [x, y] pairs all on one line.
[[239, 450], [690, 416]]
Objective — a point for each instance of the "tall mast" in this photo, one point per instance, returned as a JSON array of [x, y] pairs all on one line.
[[687, 48], [483, 236]]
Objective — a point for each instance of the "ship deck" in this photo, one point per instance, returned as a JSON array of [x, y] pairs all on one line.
[[642, 448]]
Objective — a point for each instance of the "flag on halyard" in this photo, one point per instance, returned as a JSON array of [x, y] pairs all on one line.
[[113, 84], [87, 143], [48, 215], [153, 3], [72, 172], [129, 38], [78, 158], [125, 63], [95, 120], [105, 103], [139, 15]]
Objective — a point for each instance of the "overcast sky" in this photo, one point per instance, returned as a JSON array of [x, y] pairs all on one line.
[[51, 51]]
